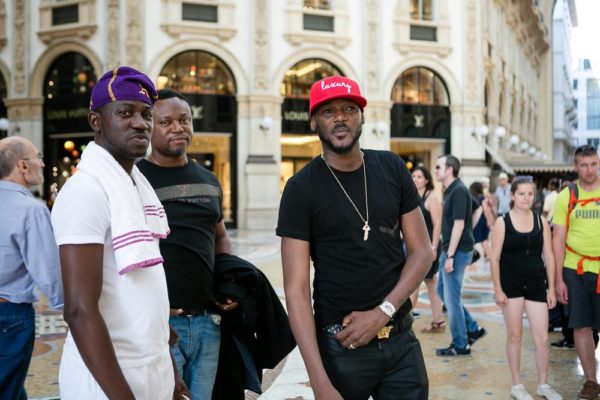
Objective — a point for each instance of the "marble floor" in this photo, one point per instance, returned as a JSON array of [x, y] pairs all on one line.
[[482, 375]]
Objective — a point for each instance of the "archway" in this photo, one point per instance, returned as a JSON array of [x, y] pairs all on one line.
[[298, 144], [67, 86], [420, 116]]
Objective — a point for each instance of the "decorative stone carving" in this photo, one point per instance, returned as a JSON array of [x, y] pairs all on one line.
[[402, 27], [24, 108], [472, 51], [2, 23], [224, 29], [261, 46], [113, 35], [20, 32], [296, 34], [84, 28], [133, 56], [374, 43]]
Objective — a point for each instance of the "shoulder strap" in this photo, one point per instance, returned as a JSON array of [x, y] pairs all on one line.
[[426, 195], [573, 197]]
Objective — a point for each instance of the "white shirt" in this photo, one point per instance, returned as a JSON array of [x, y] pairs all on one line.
[[135, 306]]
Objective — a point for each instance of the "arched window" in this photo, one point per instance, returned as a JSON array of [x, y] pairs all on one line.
[[420, 85], [197, 72], [300, 77], [70, 74]]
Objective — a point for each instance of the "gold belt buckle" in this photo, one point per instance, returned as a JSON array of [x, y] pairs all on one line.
[[384, 333]]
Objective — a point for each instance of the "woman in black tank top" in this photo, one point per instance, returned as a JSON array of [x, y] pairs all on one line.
[[522, 266], [431, 207]]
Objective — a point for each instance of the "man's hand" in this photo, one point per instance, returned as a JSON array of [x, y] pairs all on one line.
[[228, 305], [181, 388], [361, 327], [562, 294], [449, 265]]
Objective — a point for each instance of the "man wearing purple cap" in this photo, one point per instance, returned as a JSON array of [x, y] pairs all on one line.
[[107, 222], [347, 210]]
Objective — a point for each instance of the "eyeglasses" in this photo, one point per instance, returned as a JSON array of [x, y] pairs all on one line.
[[586, 148], [523, 178], [39, 156]]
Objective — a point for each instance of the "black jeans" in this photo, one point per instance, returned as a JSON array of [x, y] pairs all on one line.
[[387, 369]]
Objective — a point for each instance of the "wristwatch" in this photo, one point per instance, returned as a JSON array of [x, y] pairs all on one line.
[[388, 308], [449, 257]]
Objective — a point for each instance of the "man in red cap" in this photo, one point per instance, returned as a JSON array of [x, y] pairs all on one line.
[[348, 210], [107, 222]]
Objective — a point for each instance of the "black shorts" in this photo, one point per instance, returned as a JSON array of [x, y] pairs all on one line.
[[584, 302], [435, 267], [532, 287]]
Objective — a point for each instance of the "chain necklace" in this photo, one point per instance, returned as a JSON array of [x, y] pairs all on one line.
[[366, 228]]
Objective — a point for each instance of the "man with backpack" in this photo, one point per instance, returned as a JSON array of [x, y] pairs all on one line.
[[575, 244]]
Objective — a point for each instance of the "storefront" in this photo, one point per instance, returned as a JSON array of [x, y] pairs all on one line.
[[67, 87], [210, 88], [420, 117], [298, 144]]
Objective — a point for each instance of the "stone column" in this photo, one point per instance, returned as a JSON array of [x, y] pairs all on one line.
[[259, 152], [376, 130], [26, 119]]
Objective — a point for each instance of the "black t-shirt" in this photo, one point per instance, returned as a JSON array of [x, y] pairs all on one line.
[[458, 204], [192, 199], [350, 274]]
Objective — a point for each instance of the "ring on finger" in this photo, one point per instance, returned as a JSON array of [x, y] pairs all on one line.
[[352, 347]]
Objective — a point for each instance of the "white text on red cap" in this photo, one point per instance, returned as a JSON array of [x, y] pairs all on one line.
[[325, 86]]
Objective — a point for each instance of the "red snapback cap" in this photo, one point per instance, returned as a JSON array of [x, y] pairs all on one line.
[[335, 87]]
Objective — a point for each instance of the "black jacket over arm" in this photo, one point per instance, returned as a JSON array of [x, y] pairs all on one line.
[[254, 336]]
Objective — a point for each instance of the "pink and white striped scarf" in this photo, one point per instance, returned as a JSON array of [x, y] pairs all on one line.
[[138, 219]]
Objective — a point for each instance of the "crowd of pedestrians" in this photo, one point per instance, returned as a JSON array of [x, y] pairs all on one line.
[[137, 253]]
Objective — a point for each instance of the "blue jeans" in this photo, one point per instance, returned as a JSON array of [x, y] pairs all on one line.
[[197, 352], [449, 289], [17, 333]]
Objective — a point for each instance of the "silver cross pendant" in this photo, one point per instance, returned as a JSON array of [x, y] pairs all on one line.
[[366, 228]]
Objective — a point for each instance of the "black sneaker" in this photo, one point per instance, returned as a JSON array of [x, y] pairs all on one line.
[[453, 351], [563, 344], [475, 336]]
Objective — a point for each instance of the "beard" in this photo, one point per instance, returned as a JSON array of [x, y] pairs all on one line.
[[328, 144]]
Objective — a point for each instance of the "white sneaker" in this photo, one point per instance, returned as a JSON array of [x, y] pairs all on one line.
[[519, 393], [546, 391]]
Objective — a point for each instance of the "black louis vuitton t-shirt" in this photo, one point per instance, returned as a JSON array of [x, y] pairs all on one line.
[[350, 274], [192, 197]]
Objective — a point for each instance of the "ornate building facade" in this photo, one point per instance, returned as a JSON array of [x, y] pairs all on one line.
[[470, 77]]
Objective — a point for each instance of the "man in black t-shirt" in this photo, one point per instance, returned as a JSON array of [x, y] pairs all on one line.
[[346, 210], [457, 252], [192, 198]]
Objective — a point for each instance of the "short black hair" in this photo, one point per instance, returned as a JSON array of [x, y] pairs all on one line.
[[585, 150], [454, 162], [164, 94]]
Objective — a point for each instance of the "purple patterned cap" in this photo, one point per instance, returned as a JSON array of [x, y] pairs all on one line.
[[122, 83]]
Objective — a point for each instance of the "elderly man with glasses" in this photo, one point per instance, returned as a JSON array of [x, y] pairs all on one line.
[[28, 257]]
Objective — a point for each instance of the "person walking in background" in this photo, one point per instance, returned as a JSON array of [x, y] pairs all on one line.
[[192, 197], [107, 222], [550, 199], [28, 258], [522, 266], [575, 241], [431, 207], [457, 253], [502, 195], [481, 231], [347, 210]]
